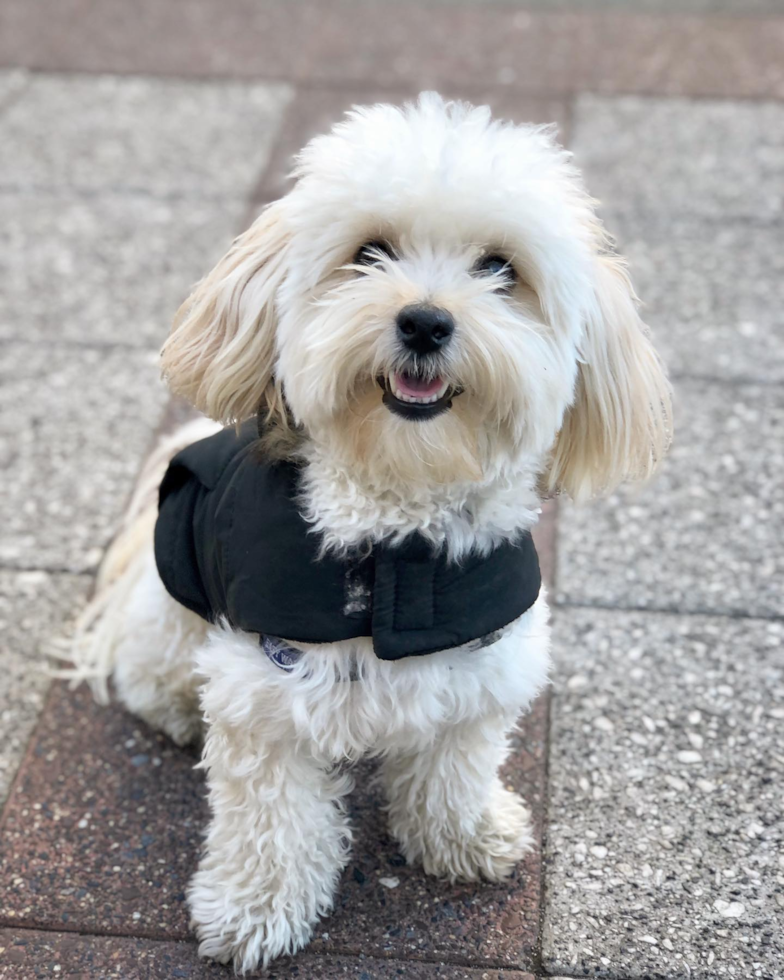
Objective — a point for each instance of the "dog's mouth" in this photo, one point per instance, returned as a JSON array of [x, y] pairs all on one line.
[[415, 396]]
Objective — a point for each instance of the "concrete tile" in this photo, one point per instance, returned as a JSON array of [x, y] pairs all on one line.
[[102, 834], [705, 534], [33, 608], [111, 269], [677, 157], [349, 41], [74, 427], [12, 83], [712, 292], [316, 110], [26, 953], [666, 820], [155, 136]]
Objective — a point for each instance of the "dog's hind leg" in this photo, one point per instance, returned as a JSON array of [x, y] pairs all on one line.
[[448, 808], [154, 671]]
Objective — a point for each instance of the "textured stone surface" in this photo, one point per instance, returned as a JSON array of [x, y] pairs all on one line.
[[345, 41], [103, 269], [27, 953], [33, 608], [152, 136], [713, 291], [74, 427], [677, 157], [11, 84], [703, 535], [664, 848], [102, 831]]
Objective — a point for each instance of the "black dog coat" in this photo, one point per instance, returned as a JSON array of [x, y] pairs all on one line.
[[230, 542]]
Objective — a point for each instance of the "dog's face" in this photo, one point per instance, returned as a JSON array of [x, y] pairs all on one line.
[[433, 302]]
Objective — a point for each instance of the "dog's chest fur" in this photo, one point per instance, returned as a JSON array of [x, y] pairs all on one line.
[[348, 513]]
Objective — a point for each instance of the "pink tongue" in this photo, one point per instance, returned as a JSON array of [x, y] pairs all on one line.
[[407, 384]]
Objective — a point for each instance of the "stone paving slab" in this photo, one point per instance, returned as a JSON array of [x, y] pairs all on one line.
[[27, 953], [111, 269], [705, 534], [11, 84], [678, 157], [33, 608], [345, 41], [74, 427], [666, 820], [712, 291], [315, 110], [154, 136], [102, 830]]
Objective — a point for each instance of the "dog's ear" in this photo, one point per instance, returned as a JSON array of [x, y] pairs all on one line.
[[620, 424], [220, 355]]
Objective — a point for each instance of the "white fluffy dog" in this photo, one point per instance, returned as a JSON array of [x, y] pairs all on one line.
[[436, 334]]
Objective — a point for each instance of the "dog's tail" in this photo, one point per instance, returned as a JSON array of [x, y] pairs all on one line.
[[92, 646]]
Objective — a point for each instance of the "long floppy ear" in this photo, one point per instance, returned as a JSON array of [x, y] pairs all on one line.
[[620, 424], [220, 355]]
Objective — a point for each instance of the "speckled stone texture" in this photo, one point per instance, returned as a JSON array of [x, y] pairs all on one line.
[[705, 535], [712, 291], [33, 608], [25, 954], [103, 826], [664, 847], [149, 136], [74, 426], [673, 155], [102, 834], [106, 269]]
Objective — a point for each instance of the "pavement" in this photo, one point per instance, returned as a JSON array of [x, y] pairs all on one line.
[[135, 141]]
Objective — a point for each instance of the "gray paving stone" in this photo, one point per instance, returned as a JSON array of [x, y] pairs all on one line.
[[705, 534], [664, 849], [152, 135], [112, 268], [712, 292], [11, 84], [74, 426], [33, 607], [679, 157]]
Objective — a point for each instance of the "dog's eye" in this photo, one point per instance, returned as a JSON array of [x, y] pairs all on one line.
[[497, 265], [371, 252]]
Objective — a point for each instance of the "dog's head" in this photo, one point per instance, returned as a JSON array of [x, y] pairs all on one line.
[[434, 301]]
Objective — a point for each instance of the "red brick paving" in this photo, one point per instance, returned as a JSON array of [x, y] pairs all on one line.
[[102, 830], [403, 44], [26, 954]]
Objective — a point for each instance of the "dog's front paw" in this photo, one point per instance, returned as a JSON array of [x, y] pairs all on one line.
[[248, 935], [491, 852]]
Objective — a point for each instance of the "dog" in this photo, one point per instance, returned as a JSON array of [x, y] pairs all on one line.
[[425, 337]]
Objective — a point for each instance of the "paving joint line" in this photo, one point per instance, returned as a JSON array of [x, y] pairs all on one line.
[[190, 941], [48, 569], [741, 380], [329, 82], [130, 192], [668, 610]]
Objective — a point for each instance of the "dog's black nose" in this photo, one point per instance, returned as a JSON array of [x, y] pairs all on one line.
[[425, 329]]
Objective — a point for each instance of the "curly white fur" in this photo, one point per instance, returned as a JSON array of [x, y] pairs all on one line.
[[559, 388]]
